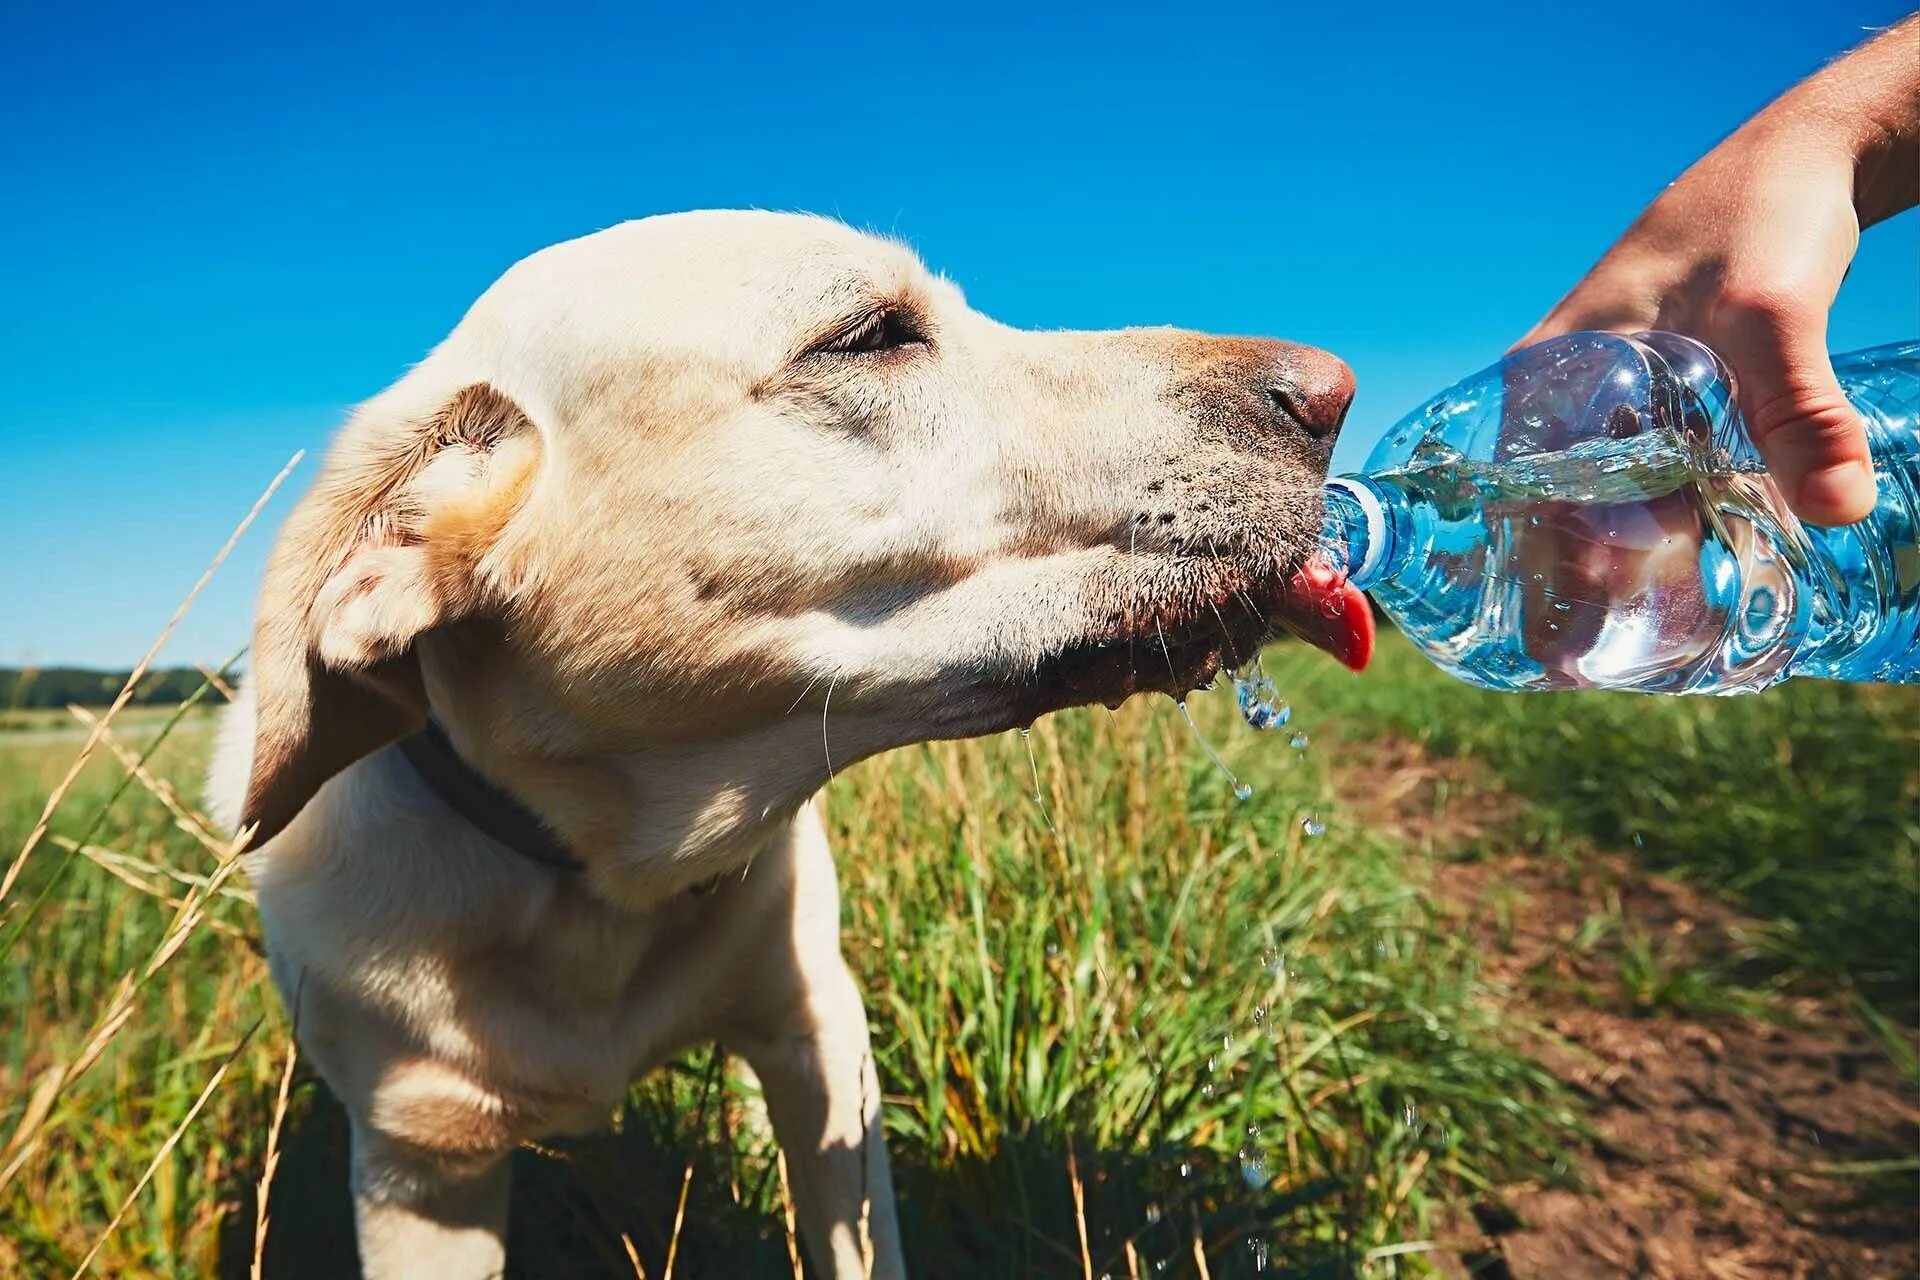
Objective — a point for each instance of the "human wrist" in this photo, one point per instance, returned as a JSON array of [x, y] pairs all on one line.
[[1865, 109], [1887, 173]]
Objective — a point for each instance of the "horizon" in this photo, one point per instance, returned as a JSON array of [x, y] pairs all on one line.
[[230, 229]]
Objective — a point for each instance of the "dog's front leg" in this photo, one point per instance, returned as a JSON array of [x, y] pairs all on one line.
[[823, 1097], [417, 1217]]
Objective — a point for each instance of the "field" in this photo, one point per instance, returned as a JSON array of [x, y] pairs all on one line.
[[1566, 986]]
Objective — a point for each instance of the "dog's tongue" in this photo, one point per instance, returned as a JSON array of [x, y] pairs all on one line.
[[1325, 609]]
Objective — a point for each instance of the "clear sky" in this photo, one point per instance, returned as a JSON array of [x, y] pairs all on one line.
[[221, 228]]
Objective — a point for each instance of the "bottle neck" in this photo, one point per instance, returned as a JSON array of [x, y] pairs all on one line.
[[1357, 536]]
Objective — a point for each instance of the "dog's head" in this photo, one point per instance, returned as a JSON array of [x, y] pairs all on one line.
[[686, 513]]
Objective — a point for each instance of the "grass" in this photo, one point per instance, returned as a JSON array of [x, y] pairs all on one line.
[[1801, 805], [1110, 1003]]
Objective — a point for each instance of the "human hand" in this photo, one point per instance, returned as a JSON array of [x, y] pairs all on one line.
[[1746, 252]]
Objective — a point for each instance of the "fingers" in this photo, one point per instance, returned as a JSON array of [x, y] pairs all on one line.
[[1812, 440]]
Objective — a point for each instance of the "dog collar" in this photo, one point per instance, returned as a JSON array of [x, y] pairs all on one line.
[[487, 806]]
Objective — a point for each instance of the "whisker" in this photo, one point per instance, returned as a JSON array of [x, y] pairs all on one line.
[[803, 694], [1133, 595], [825, 748], [1226, 636], [1167, 653]]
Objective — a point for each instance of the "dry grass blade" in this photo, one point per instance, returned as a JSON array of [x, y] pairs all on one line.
[[120, 1008], [272, 1161], [132, 872], [786, 1214], [65, 784], [122, 865], [633, 1256], [166, 1149], [193, 822], [20, 1158], [1199, 1252], [212, 677], [35, 1114], [1079, 1210], [679, 1221]]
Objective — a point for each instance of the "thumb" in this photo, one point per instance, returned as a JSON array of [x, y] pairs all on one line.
[[1813, 442]]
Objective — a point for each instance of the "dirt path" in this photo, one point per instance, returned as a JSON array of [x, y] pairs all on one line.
[[1727, 1145]]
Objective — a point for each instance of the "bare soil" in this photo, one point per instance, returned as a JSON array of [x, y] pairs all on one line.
[[1732, 1142]]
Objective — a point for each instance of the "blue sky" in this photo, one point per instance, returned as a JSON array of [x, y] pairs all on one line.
[[223, 227]]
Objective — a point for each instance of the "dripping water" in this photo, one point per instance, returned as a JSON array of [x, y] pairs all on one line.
[[1241, 791], [1033, 765]]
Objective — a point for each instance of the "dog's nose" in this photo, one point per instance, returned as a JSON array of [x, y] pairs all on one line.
[[1308, 388]]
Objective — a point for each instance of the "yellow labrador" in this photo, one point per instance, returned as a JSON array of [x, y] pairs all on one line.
[[682, 517]]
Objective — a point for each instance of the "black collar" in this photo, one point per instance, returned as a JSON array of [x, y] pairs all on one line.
[[489, 807]]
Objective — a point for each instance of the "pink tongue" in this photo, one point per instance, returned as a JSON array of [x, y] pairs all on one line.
[[1325, 609]]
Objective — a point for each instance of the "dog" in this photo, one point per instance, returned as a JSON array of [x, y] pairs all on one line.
[[681, 518]]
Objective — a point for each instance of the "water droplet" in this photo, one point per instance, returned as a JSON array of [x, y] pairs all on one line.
[[1259, 1249], [1053, 948], [1562, 605], [1410, 1114], [1311, 826], [1226, 1043], [1153, 1213], [1212, 1062], [1261, 705], [1259, 1014], [1186, 1168], [1639, 841], [1253, 1166], [1298, 742], [1241, 791]]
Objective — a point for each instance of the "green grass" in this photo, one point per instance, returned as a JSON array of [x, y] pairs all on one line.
[[1225, 1029], [1802, 805]]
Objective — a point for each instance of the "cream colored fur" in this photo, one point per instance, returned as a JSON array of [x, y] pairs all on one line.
[[662, 550]]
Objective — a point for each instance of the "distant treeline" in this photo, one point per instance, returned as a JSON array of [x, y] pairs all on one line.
[[22, 688]]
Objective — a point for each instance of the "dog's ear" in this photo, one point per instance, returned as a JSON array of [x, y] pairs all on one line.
[[387, 546]]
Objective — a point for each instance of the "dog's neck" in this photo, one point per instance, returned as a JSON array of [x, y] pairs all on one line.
[[486, 805], [648, 818], [490, 808]]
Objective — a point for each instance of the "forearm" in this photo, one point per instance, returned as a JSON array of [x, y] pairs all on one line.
[[1866, 105]]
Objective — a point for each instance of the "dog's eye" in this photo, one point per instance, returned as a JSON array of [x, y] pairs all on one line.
[[882, 331]]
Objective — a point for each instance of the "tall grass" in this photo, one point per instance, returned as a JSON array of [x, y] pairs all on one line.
[[1127, 1009], [1125, 1023]]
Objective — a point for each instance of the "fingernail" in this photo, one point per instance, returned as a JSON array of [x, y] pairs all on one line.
[[1839, 494]]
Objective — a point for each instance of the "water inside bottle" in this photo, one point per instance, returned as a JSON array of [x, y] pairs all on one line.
[[1635, 562]]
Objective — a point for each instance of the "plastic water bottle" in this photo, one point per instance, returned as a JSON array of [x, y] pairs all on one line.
[[1590, 514]]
